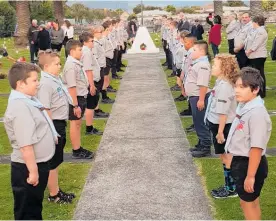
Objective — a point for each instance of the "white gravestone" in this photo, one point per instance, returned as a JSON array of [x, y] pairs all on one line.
[[143, 38]]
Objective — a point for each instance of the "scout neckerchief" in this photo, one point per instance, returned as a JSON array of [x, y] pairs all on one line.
[[57, 80], [16, 95], [241, 110], [187, 63]]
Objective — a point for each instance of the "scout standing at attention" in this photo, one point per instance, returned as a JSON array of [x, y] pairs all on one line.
[[32, 136], [92, 70], [220, 114], [77, 83], [247, 142], [197, 89], [55, 98]]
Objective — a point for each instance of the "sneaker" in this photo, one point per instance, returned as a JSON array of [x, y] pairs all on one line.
[[175, 88], [117, 77], [108, 101], [215, 191], [94, 131], [111, 90], [203, 152], [196, 148], [122, 65], [165, 64], [82, 154], [190, 129], [120, 70], [180, 98], [61, 198], [70, 195], [100, 114], [185, 113], [224, 193]]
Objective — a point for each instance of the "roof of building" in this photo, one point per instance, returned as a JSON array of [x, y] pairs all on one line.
[[154, 13]]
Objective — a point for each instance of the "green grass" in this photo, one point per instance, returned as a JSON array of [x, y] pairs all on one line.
[[156, 39], [229, 209], [72, 178]]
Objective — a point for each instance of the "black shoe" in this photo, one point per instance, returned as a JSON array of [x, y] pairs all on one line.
[[70, 195], [172, 75], [111, 90], [224, 193], [215, 191], [61, 198], [185, 113], [165, 64], [108, 101], [175, 88], [196, 148], [190, 129], [82, 154], [123, 66], [203, 152], [100, 114], [180, 98], [116, 77], [94, 131], [170, 68], [120, 70]]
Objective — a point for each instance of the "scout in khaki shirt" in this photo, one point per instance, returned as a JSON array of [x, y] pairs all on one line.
[[55, 98], [32, 137], [247, 142], [220, 114], [75, 78], [92, 70], [197, 89], [99, 53]]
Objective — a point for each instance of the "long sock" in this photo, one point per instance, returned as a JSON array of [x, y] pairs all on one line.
[[104, 95], [89, 128], [229, 181]]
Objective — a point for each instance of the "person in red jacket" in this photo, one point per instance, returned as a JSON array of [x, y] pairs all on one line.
[[215, 35]]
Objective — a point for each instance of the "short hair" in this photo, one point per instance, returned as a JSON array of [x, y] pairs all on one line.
[[184, 33], [249, 14], [46, 57], [203, 45], [106, 24], [85, 36], [259, 19], [234, 15], [20, 71], [72, 45], [190, 36], [164, 16], [251, 77], [34, 21], [113, 22], [174, 23], [97, 28]]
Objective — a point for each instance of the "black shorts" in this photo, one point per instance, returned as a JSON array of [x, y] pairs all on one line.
[[57, 159], [219, 148], [108, 66], [239, 168], [178, 72], [82, 104], [92, 101]]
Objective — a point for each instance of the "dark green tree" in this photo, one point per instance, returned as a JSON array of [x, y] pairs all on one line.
[[42, 10], [170, 8], [237, 3], [7, 19]]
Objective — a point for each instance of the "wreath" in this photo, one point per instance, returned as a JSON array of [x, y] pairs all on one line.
[[143, 47]]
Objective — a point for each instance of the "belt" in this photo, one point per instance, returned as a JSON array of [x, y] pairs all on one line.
[[85, 96]]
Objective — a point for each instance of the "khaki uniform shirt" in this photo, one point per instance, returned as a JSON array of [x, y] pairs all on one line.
[[26, 125], [99, 53]]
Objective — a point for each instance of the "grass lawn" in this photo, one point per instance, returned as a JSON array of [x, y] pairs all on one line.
[[210, 169], [72, 178]]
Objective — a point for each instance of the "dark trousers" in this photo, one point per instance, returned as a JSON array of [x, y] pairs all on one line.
[[170, 59], [258, 63], [231, 46], [242, 58], [56, 47], [27, 198], [166, 50], [114, 63], [119, 59], [202, 130], [215, 49], [33, 52]]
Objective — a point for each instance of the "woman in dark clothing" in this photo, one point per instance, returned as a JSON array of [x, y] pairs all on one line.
[[43, 38], [197, 30]]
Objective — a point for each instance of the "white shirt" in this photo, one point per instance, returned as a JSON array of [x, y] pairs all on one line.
[[69, 32]]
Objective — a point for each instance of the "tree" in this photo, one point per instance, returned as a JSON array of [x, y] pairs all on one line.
[[41, 10], [23, 22], [58, 10], [170, 8], [218, 10], [268, 5], [137, 8], [256, 7], [79, 12], [187, 10], [237, 3], [8, 19]]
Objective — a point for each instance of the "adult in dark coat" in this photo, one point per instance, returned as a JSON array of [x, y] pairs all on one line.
[[43, 38], [197, 30]]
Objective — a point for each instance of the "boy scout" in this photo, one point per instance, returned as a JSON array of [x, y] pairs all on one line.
[[93, 71], [220, 114], [164, 33], [247, 142], [77, 83], [32, 137], [55, 98], [196, 87], [99, 52], [173, 45], [240, 39]]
